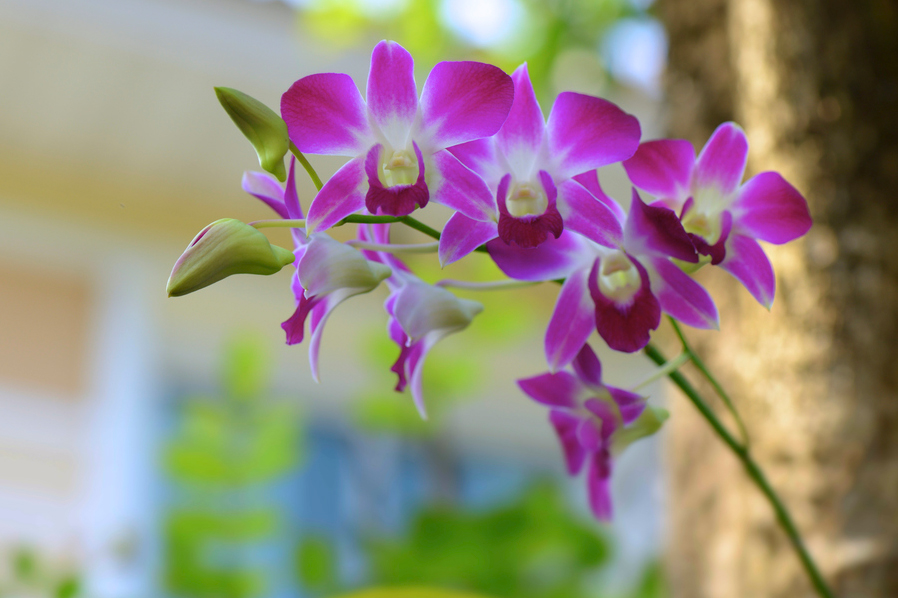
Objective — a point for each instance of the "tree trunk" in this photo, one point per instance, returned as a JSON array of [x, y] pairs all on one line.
[[815, 85]]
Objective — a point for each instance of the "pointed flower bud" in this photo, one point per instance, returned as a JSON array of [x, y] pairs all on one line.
[[262, 126], [225, 247]]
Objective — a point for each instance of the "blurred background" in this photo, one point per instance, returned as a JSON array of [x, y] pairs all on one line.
[[156, 447]]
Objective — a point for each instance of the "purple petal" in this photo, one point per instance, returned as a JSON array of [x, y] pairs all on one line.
[[294, 326], [291, 197], [589, 435], [556, 258], [399, 337], [566, 426], [462, 235], [598, 485], [585, 214], [573, 320], [663, 168], [722, 161], [521, 136], [747, 262], [588, 367], [392, 95], [480, 156], [772, 210], [630, 404], [341, 196], [607, 415], [399, 200], [590, 180], [454, 185], [626, 327], [532, 230], [656, 230], [553, 390], [585, 132], [718, 250], [325, 114], [681, 296], [463, 101], [265, 188]]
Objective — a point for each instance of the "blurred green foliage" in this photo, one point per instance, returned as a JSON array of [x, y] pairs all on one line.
[[31, 575], [227, 451]]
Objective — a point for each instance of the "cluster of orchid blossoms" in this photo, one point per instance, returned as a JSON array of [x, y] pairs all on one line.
[[525, 190]]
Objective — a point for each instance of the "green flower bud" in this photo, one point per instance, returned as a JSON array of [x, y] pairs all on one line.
[[262, 126], [225, 247]]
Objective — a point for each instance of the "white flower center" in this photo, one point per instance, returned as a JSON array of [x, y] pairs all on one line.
[[399, 168], [526, 199], [619, 279]]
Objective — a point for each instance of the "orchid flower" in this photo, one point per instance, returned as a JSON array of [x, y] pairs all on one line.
[[593, 421], [531, 166], [327, 272], [396, 140], [620, 291], [421, 315], [724, 216]]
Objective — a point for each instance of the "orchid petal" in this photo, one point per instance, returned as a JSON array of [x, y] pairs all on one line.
[[588, 367], [606, 413], [320, 313], [681, 296], [555, 390], [656, 230], [294, 326], [422, 308], [573, 320], [462, 235], [585, 214], [589, 435], [590, 180], [566, 426], [598, 485], [747, 262], [555, 258], [392, 95], [772, 210], [663, 168], [722, 161], [456, 186], [325, 114], [586, 132], [463, 101], [630, 404], [328, 266], [480, 156], [341, 196], [521, 136], [291, 197], [264, 187]]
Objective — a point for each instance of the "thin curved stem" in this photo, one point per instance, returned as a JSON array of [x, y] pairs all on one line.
[[406, 220], [754, 472], [279, 223], [396, 248], [496, 285], [316, 180]]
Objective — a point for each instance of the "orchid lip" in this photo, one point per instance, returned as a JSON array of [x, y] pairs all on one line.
[[399, 168], [526, 200], [618, 277]]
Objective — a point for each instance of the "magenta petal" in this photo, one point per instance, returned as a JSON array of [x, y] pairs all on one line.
[[663, 168], [554, 390], [529, 231], [399, 200], [598, 485], [294, 325], [682, 297], [630, 404], [462, 235], [291, 197], [588, 367], [585, 132], [585, 214], [265, 188], [590, 180], [656, 230], [566, 426], [463, 101], [747, 262], [556, 258], [718, 251], [320, 312], [772, 210], [626, 327], [325, 114], [341, 196], [573, 320], [722, 161], [392, 95], [607, 415], [454, 185], [521, 136], [589, 435]]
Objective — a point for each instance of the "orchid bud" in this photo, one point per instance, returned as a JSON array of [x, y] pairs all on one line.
[[225, 247], [422, 308], [329, 266], [262, 126]]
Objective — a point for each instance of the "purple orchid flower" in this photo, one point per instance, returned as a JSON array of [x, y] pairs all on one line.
[[724, 217], [421, 315], [396, 140], [591, 420], [531, 167], [327, 272], [620, 291]]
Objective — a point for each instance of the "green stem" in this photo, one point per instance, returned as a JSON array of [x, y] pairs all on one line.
[[395, 248], [662, 372], [753, 470], [496, 285], [279, 223], [305, 164], [406, 220]]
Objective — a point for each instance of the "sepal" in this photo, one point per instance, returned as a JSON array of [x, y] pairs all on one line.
[[649, 422]]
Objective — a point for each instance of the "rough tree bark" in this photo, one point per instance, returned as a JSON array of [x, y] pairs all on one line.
[[815, 84]]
